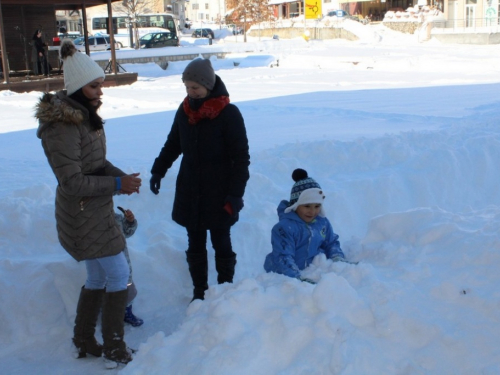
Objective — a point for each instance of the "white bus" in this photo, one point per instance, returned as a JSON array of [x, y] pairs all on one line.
[[146, 23]]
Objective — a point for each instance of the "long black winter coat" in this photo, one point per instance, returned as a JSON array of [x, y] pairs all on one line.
[[215, 160], [39, 45]]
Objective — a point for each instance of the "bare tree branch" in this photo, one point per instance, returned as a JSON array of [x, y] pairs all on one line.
[[134, 9]]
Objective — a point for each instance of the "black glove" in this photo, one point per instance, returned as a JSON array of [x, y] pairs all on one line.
[[307, 280], [235, 203], [340, 259], [155, 183]]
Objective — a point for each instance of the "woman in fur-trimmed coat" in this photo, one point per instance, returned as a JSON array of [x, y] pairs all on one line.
[[76, 153], [74, 143]]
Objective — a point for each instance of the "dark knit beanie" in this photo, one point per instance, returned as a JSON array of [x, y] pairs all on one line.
[[302, 182], [201, 72], [305, 191]]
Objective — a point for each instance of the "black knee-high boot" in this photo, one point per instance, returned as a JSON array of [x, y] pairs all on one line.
[[113, 312], [87, 312], [225, 268], [198, 268]]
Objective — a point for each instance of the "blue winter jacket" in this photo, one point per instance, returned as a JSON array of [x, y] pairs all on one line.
[[296, 243]]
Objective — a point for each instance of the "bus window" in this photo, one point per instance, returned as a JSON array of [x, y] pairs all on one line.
[[145, 21], [99, 23]]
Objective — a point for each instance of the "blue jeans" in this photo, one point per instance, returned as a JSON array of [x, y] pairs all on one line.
[[108, 272]]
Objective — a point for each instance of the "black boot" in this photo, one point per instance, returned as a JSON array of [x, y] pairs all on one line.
[[113, 313], [87, 312], [198, 268], [225, 268]]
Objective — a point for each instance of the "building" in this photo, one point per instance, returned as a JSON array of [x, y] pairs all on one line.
[[69, 21], [202, 12], [152, 6], [458, 13]]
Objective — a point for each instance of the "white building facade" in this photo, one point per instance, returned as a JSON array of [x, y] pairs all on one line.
[[201, 12]]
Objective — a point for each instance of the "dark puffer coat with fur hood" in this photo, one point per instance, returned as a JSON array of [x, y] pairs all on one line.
[[76, 153]]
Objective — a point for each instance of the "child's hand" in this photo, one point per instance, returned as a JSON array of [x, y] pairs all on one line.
[[129, 215]]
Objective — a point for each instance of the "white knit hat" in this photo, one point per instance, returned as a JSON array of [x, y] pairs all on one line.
[[309, 196], [79, 69], [305, 191]]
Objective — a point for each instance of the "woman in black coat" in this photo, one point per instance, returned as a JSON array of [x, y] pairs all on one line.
[[210, 134]]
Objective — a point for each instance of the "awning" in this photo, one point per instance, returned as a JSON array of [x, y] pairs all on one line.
[[276, 2]]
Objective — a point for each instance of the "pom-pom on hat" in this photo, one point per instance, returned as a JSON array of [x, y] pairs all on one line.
[[79, 69], [200, 71], [305, 191]]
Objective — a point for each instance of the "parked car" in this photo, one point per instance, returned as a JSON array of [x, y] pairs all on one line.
[[203, 33], [237, 30], [96, 43], [158, 40], [340, 13], [337, 13], [56, 41], [71, 35]]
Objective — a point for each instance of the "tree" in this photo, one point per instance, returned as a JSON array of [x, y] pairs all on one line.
[[134, 9], [252, 11]]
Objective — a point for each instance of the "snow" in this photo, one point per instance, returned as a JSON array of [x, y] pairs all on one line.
[[402, 136]]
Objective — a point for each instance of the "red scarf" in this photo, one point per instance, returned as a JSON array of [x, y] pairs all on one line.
[[209, 109]]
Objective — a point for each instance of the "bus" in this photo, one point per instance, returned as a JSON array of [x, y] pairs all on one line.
[[146, 23]]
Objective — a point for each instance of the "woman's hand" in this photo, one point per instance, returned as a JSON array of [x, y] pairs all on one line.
[[131, 184]]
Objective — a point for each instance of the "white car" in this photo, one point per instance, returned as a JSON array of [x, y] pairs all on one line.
[[96, 43]]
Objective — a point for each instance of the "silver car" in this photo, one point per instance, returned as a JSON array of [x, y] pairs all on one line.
[[96, 43]]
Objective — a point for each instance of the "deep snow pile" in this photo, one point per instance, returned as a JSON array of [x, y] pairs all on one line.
[[411, 178]]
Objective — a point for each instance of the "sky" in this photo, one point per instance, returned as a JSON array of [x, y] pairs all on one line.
[[403, 138]]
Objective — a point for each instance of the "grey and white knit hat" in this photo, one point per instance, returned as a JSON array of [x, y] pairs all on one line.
[[200, 71], [305, 191], [79, 69]]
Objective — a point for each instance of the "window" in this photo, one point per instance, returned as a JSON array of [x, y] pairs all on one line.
[[171, 24], [99, 23], [470, 13]]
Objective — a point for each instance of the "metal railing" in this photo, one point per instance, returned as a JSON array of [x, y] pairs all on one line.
[[468, 25]]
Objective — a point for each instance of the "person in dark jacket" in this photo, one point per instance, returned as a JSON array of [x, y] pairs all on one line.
[[210, 134], [39, 57], [74, 143]]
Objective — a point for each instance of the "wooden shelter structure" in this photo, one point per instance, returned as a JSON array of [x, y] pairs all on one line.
[[22, 17]]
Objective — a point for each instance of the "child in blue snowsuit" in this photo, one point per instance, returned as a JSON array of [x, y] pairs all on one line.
[[303, 231], [128, 225]]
